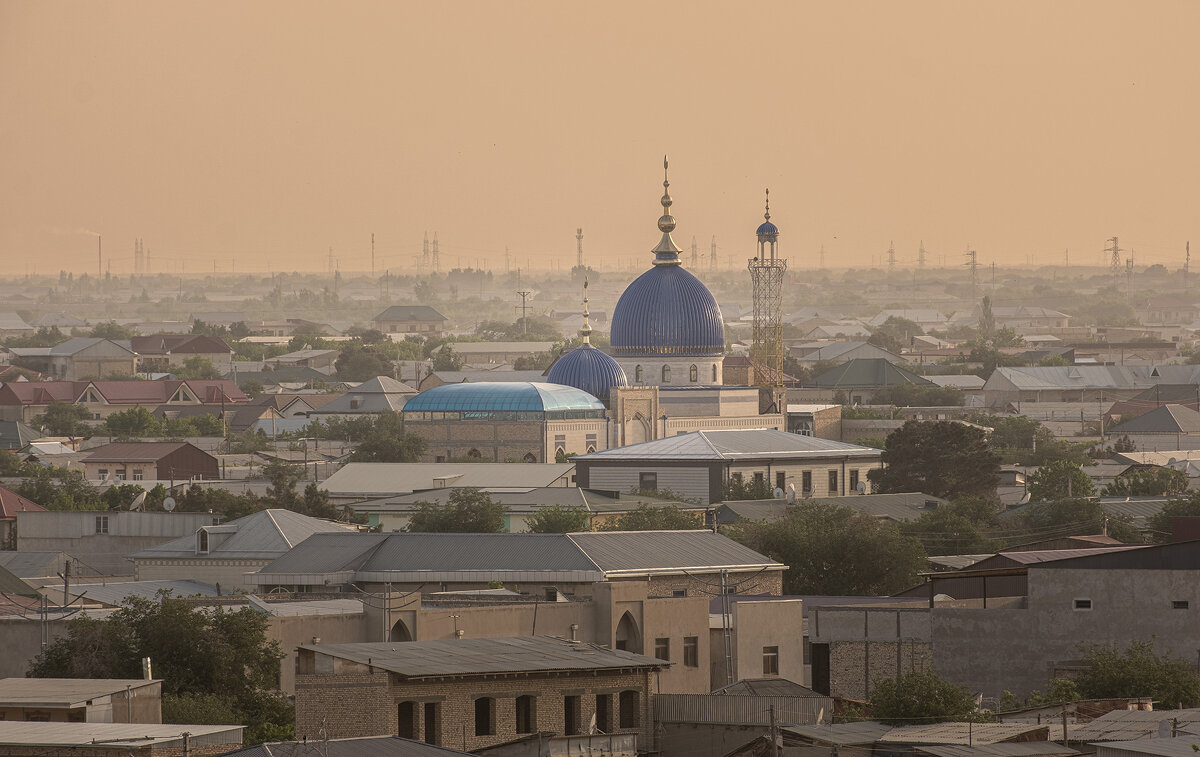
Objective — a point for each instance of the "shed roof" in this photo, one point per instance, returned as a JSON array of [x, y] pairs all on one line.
[[363, 746], [466, 657], [63, 692], [266, 534]]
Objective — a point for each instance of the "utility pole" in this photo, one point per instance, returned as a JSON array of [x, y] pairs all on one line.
[[425, 253], [524, 294], [695, 255], [1187, 260], [973, 264], [507, 261], [712, 256], [99, 257]]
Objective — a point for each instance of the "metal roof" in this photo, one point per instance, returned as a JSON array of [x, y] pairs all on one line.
[[1168, 419], [465, 657], [494, 396], [1003, 749], [1127, 725], [121, 452], [114, 594], [523, 499], [33, 564], [667, 311], [262, 535], [1182, 746], [841, 734], [767, 687], [373, 480], [114, 735], [63, 692], [410, 313], [958, 733], [643, 551], [731, 445]]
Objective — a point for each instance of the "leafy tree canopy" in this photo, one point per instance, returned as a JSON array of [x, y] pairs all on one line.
[[920, 697], [895, 334], [111, 330], [650, 518], [1151, 482], [197, 367], [386, 442], [558, 519], [468, 511], [1159, 524], [1138, 671], [65, 419], [357, 362], [446, 359], [836, 551], [1076, 517], [1061, 479], [942, 458]]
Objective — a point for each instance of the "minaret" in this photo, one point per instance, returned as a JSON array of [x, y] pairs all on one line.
[[579, 247], [666, 252], [766, 275], [586, 331]]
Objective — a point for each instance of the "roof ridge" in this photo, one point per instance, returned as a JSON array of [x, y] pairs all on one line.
[[582, 551]]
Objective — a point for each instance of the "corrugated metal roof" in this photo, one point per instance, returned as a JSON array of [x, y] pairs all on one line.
[[460, 657], [1003, 749], [62, 692], [33, 564], [1168, 419], [115, 593], [639, 551], [732, 445], [114, 735], [134, 452], [1127, 725], [1182, 746], [372, 480], [262, 535], [522, 499], [364, 746], [958, 733], [766, 687], [840, 734]]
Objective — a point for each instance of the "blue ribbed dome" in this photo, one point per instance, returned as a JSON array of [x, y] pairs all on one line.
[[766, 227], [589, 369], [667, 311]]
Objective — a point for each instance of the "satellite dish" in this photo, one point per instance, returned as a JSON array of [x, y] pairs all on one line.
[[778, 493], [861, 487], [169, 504], [138, 502]]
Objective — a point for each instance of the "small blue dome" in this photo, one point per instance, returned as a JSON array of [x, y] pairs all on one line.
[[589, 369], [766, 227], [498, 396], [667, 311]]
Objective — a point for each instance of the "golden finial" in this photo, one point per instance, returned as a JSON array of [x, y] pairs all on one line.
[[767, 215]]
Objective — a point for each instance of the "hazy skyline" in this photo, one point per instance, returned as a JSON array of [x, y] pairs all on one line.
[[269, 132]]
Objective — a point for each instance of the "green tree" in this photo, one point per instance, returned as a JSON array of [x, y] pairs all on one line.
[[137, 421], [446, 359], [942, 458], [111, 330], [836, 551], [919, 395], [282, 490], [1159, 524], [1152, 482], [468, 511], [920, 697], [65, 419], [646, 517], [895, 334], [386, 442], [1075, 517], [740, 488], [362, 363], [987, 319], [220, 658], [558, 519], [197, 367], [949, 531], [1061, 479], [252, 388], [1138, 671], [59, 489]]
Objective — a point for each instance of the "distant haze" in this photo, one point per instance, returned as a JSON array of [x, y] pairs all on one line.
[[260, 135]]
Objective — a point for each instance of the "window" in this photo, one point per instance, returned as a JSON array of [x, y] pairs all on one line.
[[666, 374], [629, 709], [120, 474], [691, 651], [714, 373], [138, 474], [354, 403], [780, 481], [662, 649], [770, 661], [833, 482], [1179, 604], [485, 716], [693, 374], [854, 480], [758, 479], [202, 540], [604, 712], [102, 473], [1083, 604], [806, 482], [572, 714], [736, 477], [101, 524], [526, 714], [637, 374], [648, 480]]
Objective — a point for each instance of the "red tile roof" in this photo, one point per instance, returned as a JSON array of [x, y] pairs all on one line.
[[12, 503]]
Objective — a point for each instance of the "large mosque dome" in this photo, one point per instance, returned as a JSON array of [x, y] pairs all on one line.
[[667, 311], [589, 369]]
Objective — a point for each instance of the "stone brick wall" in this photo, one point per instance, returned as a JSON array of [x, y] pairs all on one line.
[[767, 582], [855, 667], [369, 705]]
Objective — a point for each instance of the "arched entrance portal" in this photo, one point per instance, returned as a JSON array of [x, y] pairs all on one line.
[[400, 632], [628, 638]]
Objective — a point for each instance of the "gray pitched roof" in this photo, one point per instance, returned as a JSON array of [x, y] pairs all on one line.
[[378, 395], [410, 313], [1168, 419], [116, 593], [902, 506], [63, 692], [522, 499], [577, 557], [732, 445], [33, 564], [465, 657], [262, 535], [373, 480]]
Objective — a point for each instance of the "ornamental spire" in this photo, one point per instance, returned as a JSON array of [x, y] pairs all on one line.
[[586, 331], [667, 252], [767, 215]]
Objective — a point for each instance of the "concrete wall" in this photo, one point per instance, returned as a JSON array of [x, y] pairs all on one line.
[[869, 644], [75, 532], [689, 482], [771, 623], [228, 574]]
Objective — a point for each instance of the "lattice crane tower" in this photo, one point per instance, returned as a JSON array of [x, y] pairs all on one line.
[[766, 274]]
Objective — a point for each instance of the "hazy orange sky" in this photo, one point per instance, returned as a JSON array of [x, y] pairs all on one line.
[[268, 132]]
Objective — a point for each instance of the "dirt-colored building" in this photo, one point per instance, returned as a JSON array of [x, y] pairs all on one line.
[[149, 461]]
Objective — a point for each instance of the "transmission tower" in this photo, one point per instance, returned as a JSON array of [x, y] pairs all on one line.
[[425, 253], [921, 255], [579, 247], [891, 253], [766, 275], [435, 252], [1115, 259], [973, 264], [712, 256]]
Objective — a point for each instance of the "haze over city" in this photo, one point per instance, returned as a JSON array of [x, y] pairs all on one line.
[[255, 137]]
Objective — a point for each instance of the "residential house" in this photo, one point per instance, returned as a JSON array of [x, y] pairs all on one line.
[[1023, 318], [1170, 427], [318, 360], [159, 353], [103, 540], [12, 325], [81, 700], [80, 358], [702, 464], [25, 400], [379, 395], [150, 461], [15, 435], [1173, 308], [840, 352], [220, 555], [12, 503], [471, 692], [410, 319]]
